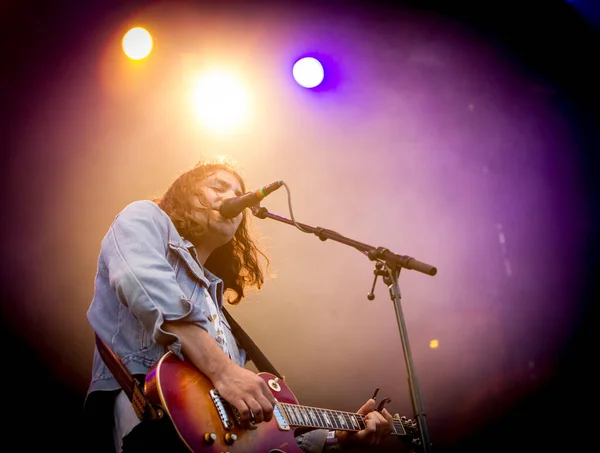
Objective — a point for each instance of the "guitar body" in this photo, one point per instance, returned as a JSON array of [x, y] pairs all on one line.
[[184, 393]]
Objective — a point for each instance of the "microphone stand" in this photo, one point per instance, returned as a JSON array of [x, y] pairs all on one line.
[[394, 264]]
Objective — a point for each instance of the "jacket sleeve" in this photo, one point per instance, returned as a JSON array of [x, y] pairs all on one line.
[[135, 251], [312, 441]]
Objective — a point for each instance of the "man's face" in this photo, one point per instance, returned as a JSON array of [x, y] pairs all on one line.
[[215, 188]]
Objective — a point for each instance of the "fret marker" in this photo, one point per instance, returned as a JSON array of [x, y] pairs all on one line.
[[342, 420]]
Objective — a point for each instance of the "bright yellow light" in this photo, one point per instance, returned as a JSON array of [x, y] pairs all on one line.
[[219, 100], [137, 43], [433, 344]]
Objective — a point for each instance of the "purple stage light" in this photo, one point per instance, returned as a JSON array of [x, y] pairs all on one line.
[[308, 72]]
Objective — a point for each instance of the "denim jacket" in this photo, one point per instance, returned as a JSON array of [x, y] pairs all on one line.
[[148, 274]]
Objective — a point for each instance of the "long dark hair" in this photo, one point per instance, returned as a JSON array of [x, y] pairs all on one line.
[[237, 262]]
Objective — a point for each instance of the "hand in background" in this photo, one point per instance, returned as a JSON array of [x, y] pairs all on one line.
[[379, 425]]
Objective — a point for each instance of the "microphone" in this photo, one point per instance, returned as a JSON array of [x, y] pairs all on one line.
[[231, 207]]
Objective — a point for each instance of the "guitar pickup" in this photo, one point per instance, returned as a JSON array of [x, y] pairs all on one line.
[[220, 404], [280, 417]]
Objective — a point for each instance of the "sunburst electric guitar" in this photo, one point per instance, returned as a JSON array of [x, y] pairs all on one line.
[[206, 423]]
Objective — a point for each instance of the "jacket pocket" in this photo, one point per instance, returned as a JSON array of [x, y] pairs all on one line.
[[188, 273]]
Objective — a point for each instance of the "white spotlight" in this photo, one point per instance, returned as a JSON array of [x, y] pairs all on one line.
[[220, 100]]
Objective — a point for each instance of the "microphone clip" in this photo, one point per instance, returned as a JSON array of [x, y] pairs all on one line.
[[259, 211]]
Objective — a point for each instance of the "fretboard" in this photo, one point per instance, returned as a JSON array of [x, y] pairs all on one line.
[[314, 417]]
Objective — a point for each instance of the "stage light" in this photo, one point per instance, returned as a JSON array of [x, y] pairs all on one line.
[[219, 100], [137, 43], [308, 72]]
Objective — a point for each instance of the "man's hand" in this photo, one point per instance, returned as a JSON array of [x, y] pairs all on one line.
[[240, 387], [247, 392], [379, 425]]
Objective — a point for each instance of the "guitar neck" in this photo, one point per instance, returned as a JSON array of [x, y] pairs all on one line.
[[314, 417]]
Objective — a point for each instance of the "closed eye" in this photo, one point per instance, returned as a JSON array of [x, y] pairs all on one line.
[[223, 186]]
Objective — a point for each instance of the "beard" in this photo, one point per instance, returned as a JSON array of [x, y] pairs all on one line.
[[210, 226]]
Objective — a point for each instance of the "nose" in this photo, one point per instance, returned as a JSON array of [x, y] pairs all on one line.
[[227, 194]]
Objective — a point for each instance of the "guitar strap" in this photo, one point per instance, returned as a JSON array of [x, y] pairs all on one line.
[[252, 350], [130, 385]]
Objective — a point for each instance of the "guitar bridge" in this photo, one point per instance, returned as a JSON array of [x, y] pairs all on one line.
[[220, 404]]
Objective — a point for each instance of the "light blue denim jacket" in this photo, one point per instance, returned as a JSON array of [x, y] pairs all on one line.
[[148, 274]]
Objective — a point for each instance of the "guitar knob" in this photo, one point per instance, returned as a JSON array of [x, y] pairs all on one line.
[[210, 438], [230, 438]]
